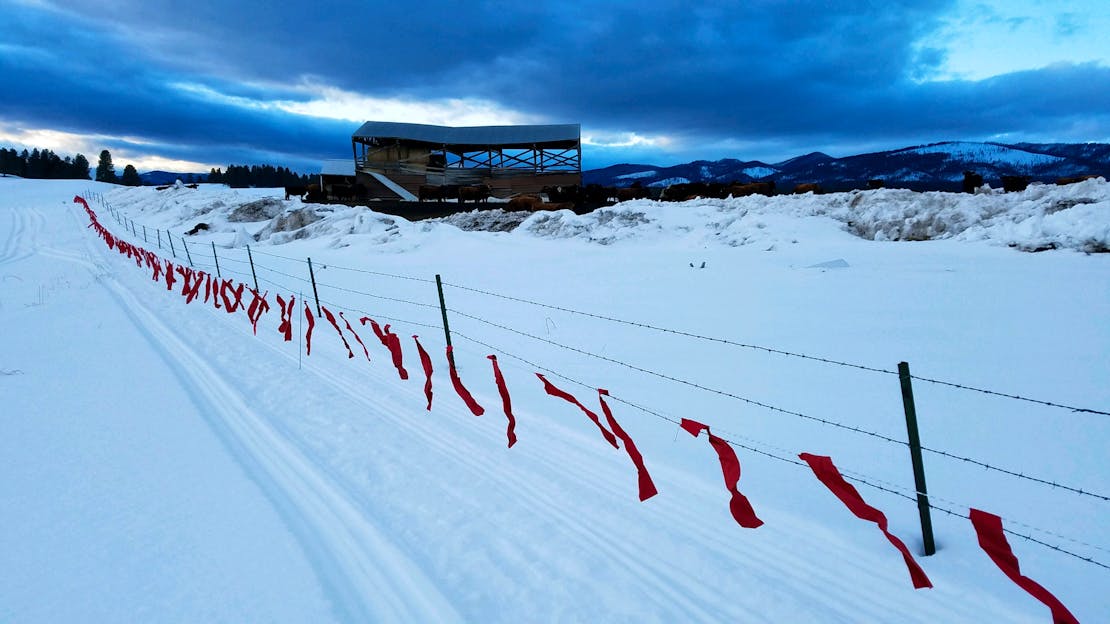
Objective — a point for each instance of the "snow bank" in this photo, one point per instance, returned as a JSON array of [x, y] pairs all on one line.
[[1075, 216]]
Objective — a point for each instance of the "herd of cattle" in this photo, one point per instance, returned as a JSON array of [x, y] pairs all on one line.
[[594, 195]]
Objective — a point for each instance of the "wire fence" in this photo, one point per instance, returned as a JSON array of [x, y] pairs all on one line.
[[750, 445]]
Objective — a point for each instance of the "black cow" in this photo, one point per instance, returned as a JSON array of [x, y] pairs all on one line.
[[972, 181], [1015, 184], [429, 192]]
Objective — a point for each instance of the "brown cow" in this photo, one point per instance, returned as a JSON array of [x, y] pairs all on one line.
[[1074, 179], [476, 194], [807, 187], [430, 192], [754, 188], [531, 203]]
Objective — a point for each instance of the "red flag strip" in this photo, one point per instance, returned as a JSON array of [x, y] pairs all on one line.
[[331, 319], [377, 329], [308, 332], [647, 486], [257, 308], [499, 379], [426, 362], [828, 474], [285, 328], [230, 305], [393, 342], [566, 396], [993, 540], [475, 409], [741, 509], [355, 334], [191, 291], [170, 279]]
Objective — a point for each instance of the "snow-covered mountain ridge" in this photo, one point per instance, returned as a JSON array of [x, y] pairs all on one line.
[[937, 166]]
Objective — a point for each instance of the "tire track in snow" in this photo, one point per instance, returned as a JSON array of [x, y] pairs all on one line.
[[678, 594], [364, 574]]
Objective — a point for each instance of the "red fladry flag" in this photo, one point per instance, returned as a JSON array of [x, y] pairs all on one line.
[[355, 334], [308, 332], [377, 329], [170, 279], [460, 388], [285, 328], [231, 305], [257, 308], [566, 396], [503, 390], [828, 474], [647, 486], [426, 362], [741, 509], [993, 540], [331, 319], [393, 343]]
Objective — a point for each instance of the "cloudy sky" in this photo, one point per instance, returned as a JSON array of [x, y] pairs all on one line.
[[187, 86]]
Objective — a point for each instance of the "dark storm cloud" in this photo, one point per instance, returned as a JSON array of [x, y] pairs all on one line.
[[795, 75]]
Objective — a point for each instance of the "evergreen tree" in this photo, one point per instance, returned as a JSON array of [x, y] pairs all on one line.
[[105, 170], [131, 177], [80, 168]]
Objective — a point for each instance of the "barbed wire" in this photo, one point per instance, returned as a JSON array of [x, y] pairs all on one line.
[[824, 421], [346, 268], [773, 350], [871, 482]]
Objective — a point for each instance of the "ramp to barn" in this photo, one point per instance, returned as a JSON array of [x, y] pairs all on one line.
[[393, 186]]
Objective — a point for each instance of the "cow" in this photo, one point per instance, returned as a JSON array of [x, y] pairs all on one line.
[[297, 190], [636, 191], [313, 194], [428, 192], [530, 203], [197, 228], [876, 183], [343, 192], [1015, 183], [807, 187], [559, 194], [1074, 179], [754, 188], [972, 181], [479, 193]]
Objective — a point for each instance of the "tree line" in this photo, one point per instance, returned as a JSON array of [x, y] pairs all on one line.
[[262, 176], [45, 164]]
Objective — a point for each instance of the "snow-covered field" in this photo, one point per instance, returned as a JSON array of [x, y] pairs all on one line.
[[162, 463]]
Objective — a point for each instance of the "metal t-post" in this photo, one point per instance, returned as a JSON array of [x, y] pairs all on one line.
[[915, 457]]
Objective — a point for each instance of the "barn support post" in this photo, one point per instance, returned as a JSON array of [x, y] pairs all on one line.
[[443, 311], [915, 457], [187, 254], [315, 294], [217, 259]]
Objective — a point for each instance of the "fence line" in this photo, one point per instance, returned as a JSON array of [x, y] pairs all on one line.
[[824, 421], [773, 350], [850, 475]]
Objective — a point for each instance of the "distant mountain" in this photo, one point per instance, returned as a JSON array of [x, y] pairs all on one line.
[[937, 166], [158, 178]]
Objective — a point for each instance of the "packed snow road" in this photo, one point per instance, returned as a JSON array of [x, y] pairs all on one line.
[[161, 463]]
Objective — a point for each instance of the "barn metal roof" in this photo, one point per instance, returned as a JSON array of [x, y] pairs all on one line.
[[471, 135]]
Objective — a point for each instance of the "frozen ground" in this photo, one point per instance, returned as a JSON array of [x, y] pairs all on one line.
[[161, 463]]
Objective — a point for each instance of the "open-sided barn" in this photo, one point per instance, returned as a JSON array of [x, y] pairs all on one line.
[[393, 160]]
